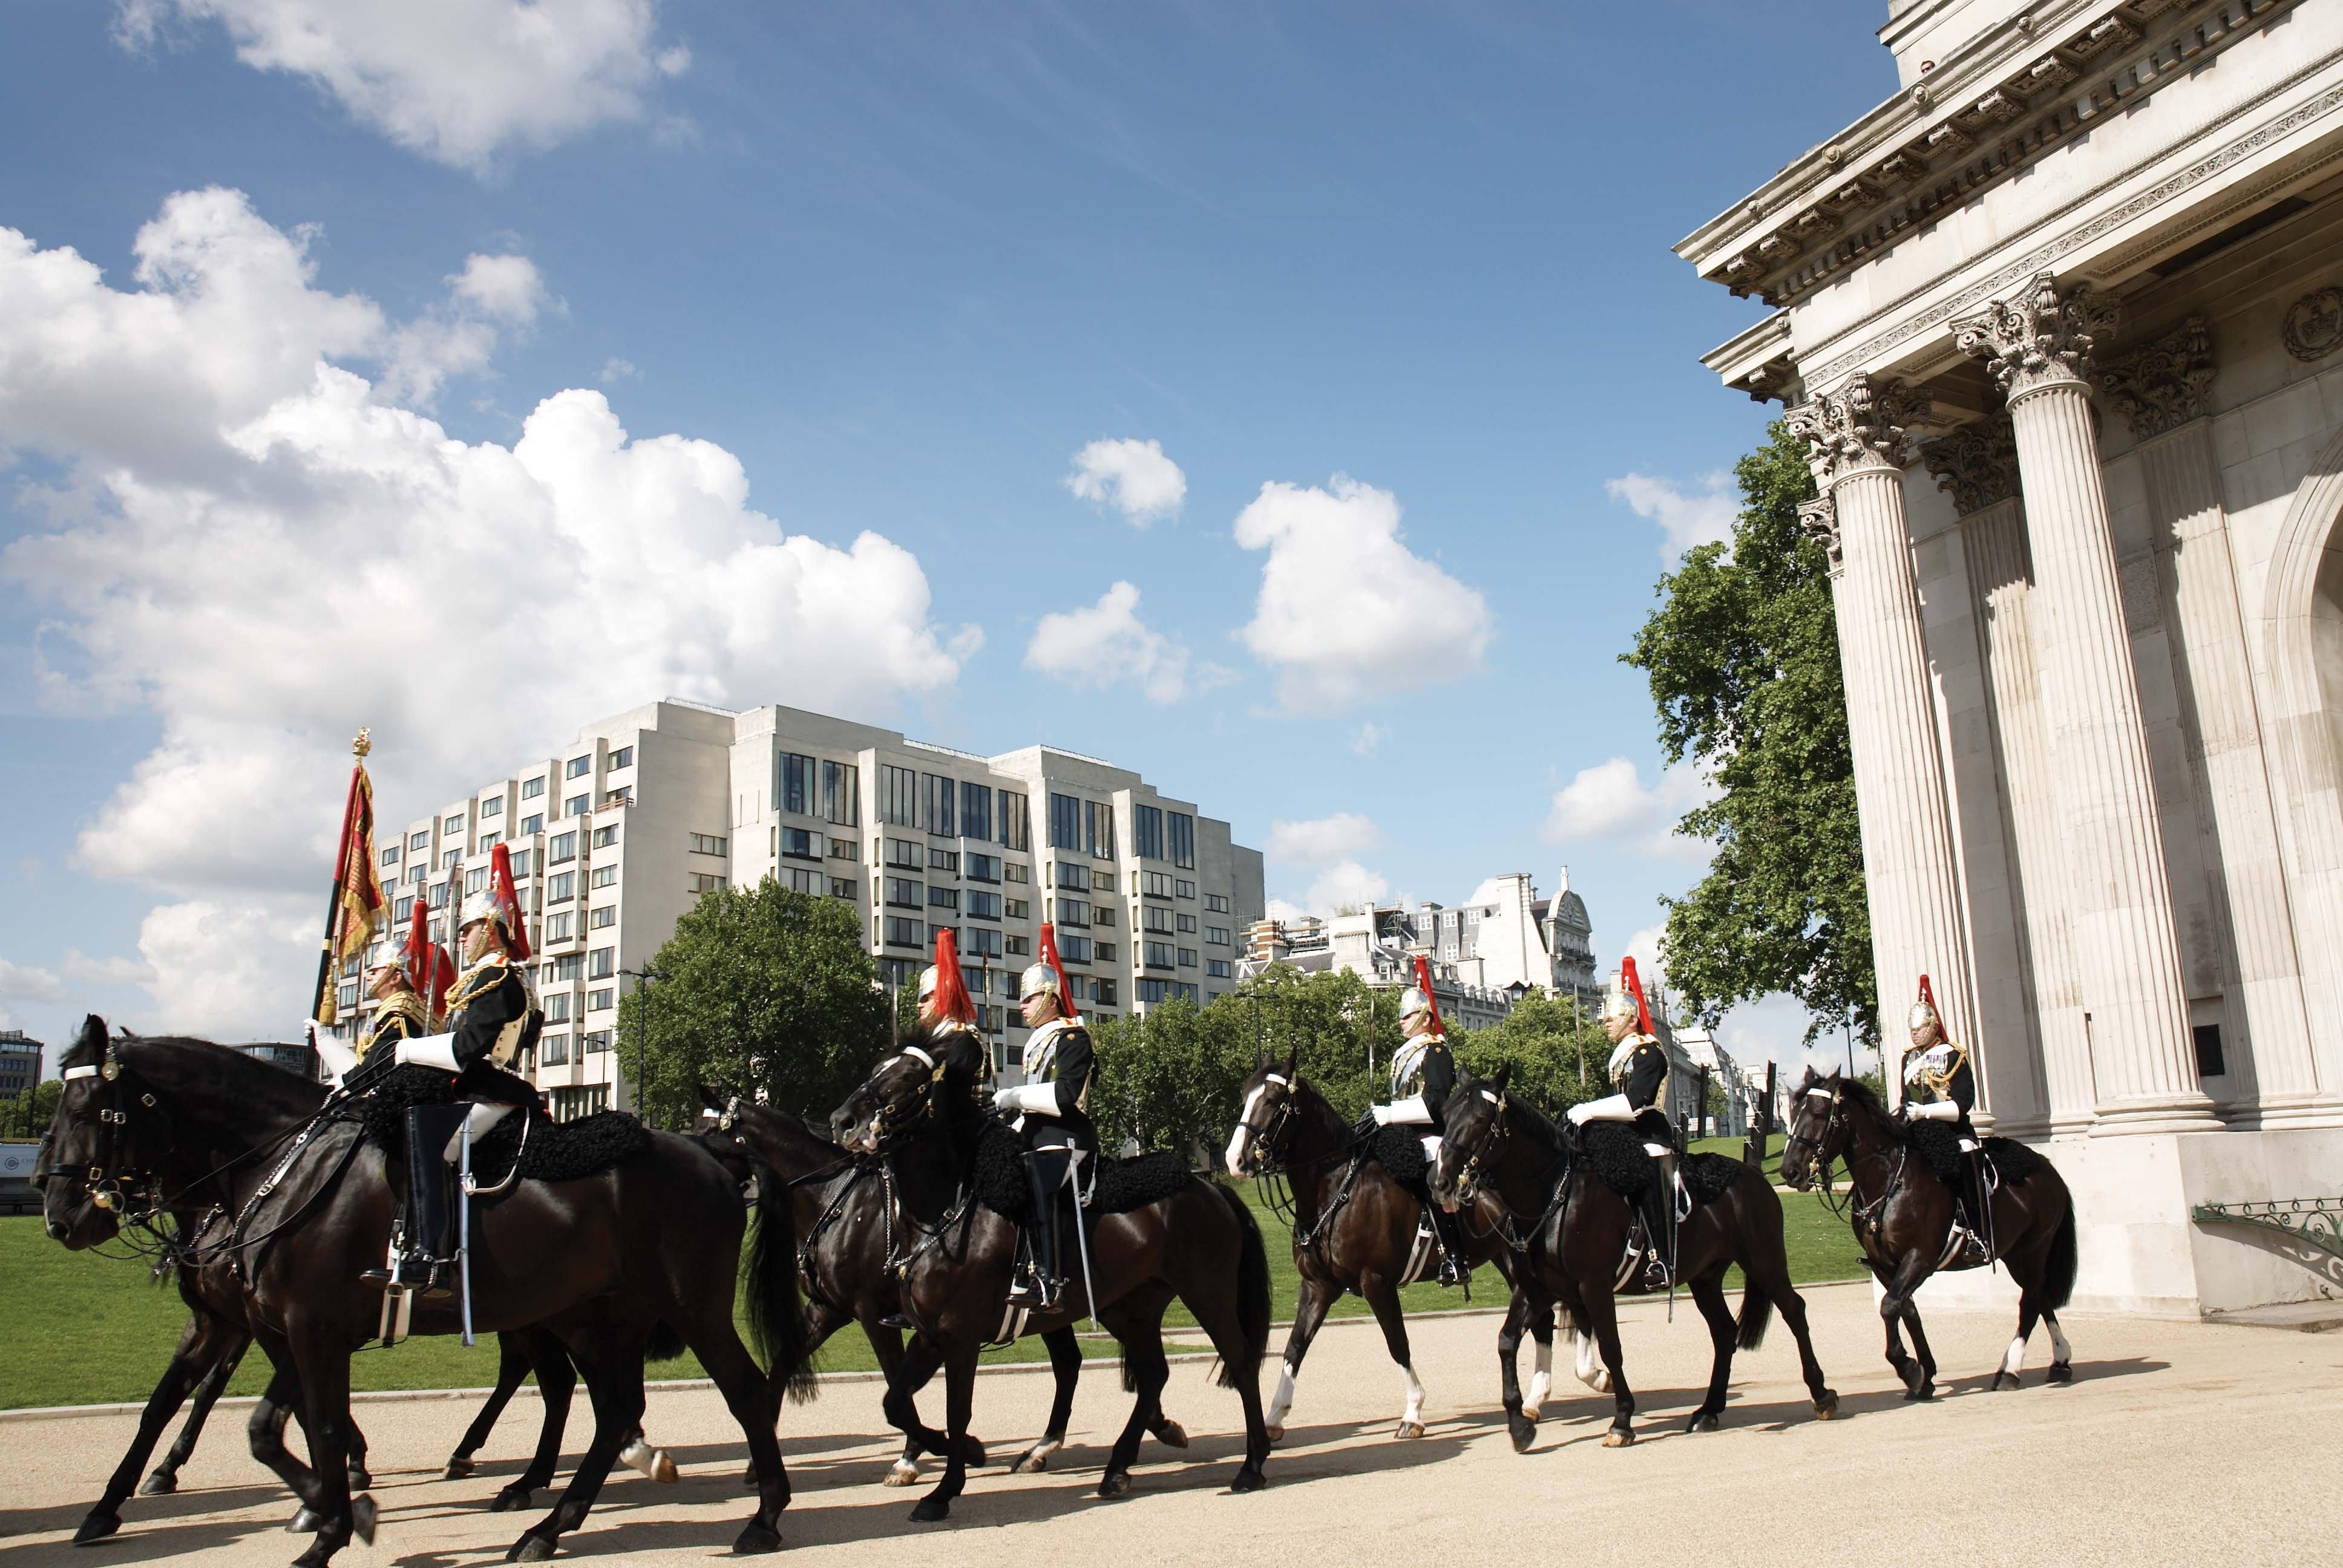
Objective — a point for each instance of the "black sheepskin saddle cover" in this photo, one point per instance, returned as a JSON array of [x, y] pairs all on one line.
[[554, 1151], [1399, 1151], [1939, 1143], [999, 1179], [1614, 1151]]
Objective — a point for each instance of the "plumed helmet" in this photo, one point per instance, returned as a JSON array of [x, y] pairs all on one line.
[[1412, 1001], [1417, 1001], [481, 905], [945, 984], [1629, 1002], [927, 983], [1923, 1012], [1036, 979], [392, 960]]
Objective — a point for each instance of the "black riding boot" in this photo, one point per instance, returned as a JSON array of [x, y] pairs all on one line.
[[1976, 1203], [1446, 1226], [425, 1233], [1659, 1208], [1040, 1289]]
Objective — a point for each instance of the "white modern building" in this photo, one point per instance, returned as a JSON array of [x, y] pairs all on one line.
[[614, 838], [2061, 321]]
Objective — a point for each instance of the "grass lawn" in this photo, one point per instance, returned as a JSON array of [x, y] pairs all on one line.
[[81, 1329]]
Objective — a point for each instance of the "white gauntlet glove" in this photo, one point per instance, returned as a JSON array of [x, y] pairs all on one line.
[[429, 1050], [1933, 1110], [1382, 1113], [1029, 1099]]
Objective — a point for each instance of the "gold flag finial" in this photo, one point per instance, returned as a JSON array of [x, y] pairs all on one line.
[[364, 743]]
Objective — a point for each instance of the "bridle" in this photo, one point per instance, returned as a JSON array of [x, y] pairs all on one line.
[[1470, 1179], [1259, 1140], [894, 1117], [1818, 1156], [111, 1180]]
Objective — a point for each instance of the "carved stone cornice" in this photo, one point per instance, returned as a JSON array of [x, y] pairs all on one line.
[[1976, 465], [2163, 385], [1860, 426], [1819, 518], [2038, 336]]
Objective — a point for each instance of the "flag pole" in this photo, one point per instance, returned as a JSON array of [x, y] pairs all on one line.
[[359, 748]]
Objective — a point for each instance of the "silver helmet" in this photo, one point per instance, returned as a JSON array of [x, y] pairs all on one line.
[[1038, 980], [1414, 1002]]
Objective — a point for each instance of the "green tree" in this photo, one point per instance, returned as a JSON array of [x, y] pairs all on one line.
[[1743, 658], [766, 990], [1341, 1031], [1169, 1080], [25, 1116], [1557, 1053]]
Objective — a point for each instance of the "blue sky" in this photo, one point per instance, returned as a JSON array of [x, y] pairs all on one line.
[[882, 272]]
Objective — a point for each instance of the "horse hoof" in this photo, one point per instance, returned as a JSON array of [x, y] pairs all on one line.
[[1409, 1429], [309, 1522], [1247, 1480], [2002, 1379], [96, 1527], [1523, 1433], [1923, 1390], [362, 1519], [1702, 1421], [1172, 1435], [756, 1538], [162, 1483], [1619, 1437], [2060, 1373], [530, 1548], [930, 1509], [510, 1500], [1274, 1432], [1114, 1483], [1826, 1407], [458, 1468], [1531, 1413], [1032, 1462], [902, 1472], [1913, 1379]]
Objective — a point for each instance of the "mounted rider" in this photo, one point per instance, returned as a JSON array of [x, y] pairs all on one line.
[[399, 1013], [1051, 1112], [1940, 1089], [946, 1033], [1422, 1072], [492, 1018], [1638, 1071]]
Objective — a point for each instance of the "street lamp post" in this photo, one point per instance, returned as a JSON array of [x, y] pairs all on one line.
[[642, 979]]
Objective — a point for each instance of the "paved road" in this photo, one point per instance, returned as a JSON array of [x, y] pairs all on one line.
[[2179, 1442]]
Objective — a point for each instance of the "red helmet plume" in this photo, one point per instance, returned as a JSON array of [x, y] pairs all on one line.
[[1634, 983], [951, 997], [508, 902], [1424, 984]]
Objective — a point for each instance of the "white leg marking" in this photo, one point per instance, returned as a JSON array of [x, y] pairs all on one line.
[[1037, 1458], [1282, 1401], [1591, 1369], [1413, 1414], [2016, 1358], [1540, 1381], [904, 1473], [640, 1456], [2061, 1351]]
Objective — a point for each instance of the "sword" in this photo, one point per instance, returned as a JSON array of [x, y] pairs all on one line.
[[1081, 1242], [464, 1226]]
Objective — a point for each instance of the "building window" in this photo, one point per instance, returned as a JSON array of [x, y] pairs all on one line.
[[976, 812], [939, 799], [1102, 881], [596, 1042], [898, 796], [1147, 832], [1158, 955], [557, 1008], [802, 844], [1098, 829], [1018, 909], [390, 856], [415, 874], [1187, 958], [606, 837], [2209, 1060], [1102, 990], [906, 894], [603, 918], [624, 757], [1216, 903], [1149, 991], [1020, 947], [1106, 952], [576, 805], [438, 895], [563, 886], [487, 842], [578, 768], [602, 1001], [904, 853], [984, 868], [399, 911], [530, 788], [944, 861], [1217, 967], [845, 888], [1216, 936], [602, 877], [419, 841], [1185, 921], [1183, 840], [845, 849], [1074, 950], [1102, 914], [979, 941], [453, 826], [1016, 821], [705, 882], [448, 857], [1073, 913], [841, 794], [903, 933], [1077, 877], [706, 844], [565, 969], [1155, 885], [563, 848], [521, 863], [810, 883], [1183, 990], [601, 964], [1016, 872], [1186, 889], [622, 796], [494, 805], [534, 823], [795, 784], [553, 1050], [944, 898], [1158, 920], [1065, 822], [561, 928]]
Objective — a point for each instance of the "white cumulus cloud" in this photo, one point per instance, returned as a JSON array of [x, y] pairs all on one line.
[[1134, 477], [29, 983], [1367, 739], [1346, 610], [1106, 644], [457, 81], [1700, 515], [1610, 802], [1346, 885], [253, 544], [1321, 840]]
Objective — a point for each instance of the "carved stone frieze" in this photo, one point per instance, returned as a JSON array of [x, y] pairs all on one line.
[[1976, 465], [1860, 426], [2314, 324], [2040, 335], [1819, 518], [2163, 385]]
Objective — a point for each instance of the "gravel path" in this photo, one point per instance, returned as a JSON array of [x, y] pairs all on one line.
[[2179, 1442]]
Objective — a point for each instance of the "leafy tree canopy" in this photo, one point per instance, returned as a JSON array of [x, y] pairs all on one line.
[[1743, 658]]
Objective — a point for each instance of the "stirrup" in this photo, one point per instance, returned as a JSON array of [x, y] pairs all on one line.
[[1036, 1291]]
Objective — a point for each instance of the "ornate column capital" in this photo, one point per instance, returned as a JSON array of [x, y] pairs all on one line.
[[2040, 337], [2163, 385], [1976, 465], [1860, 426], [1819, 518]]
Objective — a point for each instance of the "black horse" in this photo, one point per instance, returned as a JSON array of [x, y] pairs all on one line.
[[844, 1262], [305, 1205], [1355, 1228], [1570, 1229], [1200, 1244], [1903, 1217]]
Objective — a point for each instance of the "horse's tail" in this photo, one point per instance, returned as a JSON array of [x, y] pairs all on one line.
[[1756, 1317], [665, 1344], [1252, 1290], [2058, 1269], [776, 1317]]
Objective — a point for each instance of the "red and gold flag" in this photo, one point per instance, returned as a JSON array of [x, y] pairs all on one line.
[[357, 890]]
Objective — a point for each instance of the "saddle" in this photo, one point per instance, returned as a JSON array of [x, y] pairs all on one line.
[[545, 1150], [1112, 1186]]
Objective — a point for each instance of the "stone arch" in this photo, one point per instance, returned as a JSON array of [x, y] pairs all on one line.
[[2302, 623]]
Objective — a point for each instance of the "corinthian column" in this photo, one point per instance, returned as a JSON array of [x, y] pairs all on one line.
[[2143, 1060], [1855, 444]]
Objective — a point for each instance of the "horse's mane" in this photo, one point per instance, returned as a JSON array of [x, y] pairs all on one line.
[[215, 1084], [1539, 1123]]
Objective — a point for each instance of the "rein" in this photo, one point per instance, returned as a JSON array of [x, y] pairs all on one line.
[[1471, 1182]]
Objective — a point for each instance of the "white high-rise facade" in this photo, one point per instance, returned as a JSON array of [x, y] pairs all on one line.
[[614, 839]]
